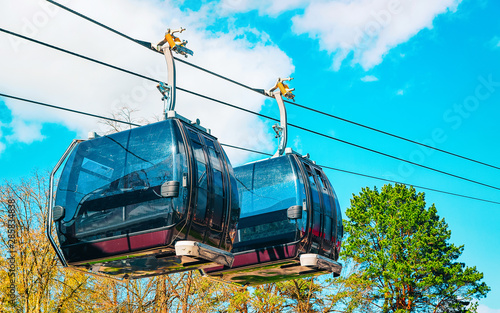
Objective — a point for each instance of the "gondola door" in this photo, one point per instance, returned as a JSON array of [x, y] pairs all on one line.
[[328, 233], [339, 229], [317, 212], [202, 182], [211, 201], [219, 192]]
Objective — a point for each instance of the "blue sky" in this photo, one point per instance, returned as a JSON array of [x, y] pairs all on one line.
[[426, 70]]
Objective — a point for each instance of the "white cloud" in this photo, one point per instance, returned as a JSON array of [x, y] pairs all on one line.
[[484, 309], [46, 75], [369, 78], [364, 29], [25, 132], [367, 29], [400, 92], [265, 7]]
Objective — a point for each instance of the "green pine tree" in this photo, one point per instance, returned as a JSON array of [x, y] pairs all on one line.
[[404, 258]]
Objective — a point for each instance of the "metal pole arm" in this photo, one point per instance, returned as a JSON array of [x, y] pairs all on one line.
[[282, 129], [176, 45], [281, 89]]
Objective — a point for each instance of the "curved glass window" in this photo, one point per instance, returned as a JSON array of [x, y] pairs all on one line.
[[266, 190], [112, 185], [266, 186]]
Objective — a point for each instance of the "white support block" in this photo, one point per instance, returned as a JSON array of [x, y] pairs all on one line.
[[320, 262], [200, 250]]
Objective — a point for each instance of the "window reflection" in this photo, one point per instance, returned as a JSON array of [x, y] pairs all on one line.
[[111, 185], [267, 189]]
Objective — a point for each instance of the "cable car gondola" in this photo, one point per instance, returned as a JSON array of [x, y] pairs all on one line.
[[123, 201], [290, 224], [152, 200]]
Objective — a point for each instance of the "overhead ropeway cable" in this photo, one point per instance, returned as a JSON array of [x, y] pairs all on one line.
[[150, 46], [248, 111], [262, 91], [245, 149], [66, 109]]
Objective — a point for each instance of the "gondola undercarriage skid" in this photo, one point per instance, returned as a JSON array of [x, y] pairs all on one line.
[[305, 265], [187, 255]]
